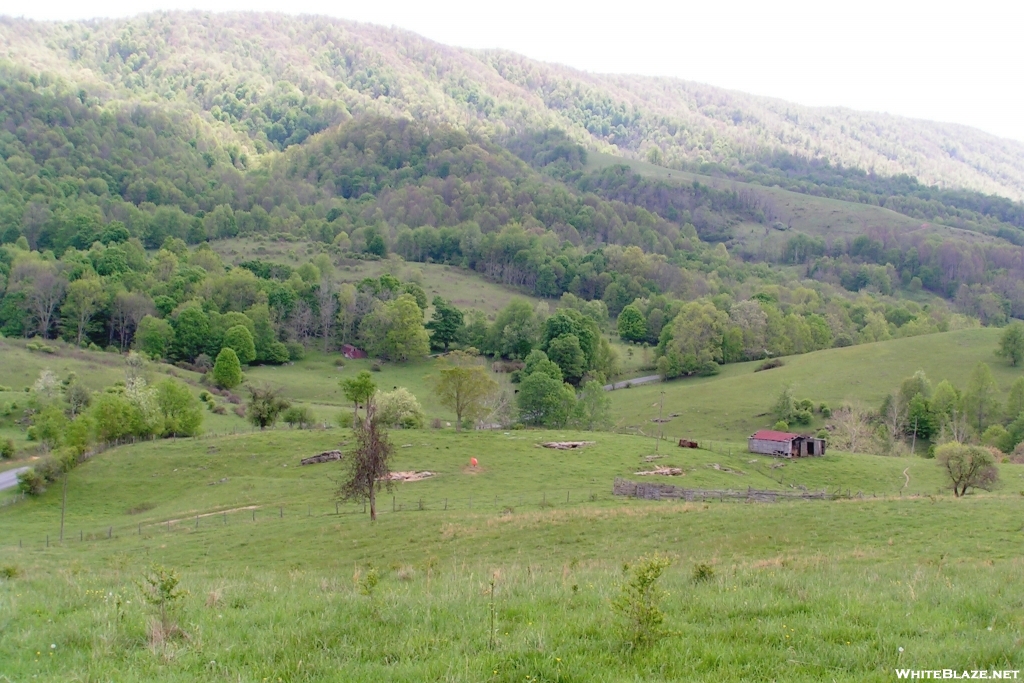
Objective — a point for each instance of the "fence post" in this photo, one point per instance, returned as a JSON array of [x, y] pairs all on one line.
[[110, 532], [335, 507], [197, 521], [281, 512], [140, 528], [471, 502], [566, 496], [47, 540], [446, 504], [254, 514]]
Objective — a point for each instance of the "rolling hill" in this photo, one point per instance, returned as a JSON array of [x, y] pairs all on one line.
[[260, 80]]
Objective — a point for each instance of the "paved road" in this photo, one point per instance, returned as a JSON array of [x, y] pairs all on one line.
[[9, 479], [633, 382]]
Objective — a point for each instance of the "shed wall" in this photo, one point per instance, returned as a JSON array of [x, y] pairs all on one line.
[[769, 447]]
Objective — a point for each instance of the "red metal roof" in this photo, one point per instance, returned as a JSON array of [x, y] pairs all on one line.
[[771, 435]]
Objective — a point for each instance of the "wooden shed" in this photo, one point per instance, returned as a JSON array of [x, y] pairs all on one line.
[[785, 444]]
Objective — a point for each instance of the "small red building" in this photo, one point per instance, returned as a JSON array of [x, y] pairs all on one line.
[[350, 351], [785, 444]]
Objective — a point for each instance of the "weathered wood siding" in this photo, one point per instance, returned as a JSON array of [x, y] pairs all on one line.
[[770, 447]]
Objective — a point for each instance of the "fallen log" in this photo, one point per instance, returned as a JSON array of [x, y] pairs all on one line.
[[326, 456]]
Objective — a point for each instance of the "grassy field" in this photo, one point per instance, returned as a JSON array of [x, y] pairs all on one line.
[[20, 368], [734, 403], [800, 591], [465, 288]]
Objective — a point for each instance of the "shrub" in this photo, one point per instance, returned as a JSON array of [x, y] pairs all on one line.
[[823, 408], [295, 350], [639, 601], [240, 411], [781, 426], [31, 483], [9, 571], [220, 410], [826, 412], [344, 419], [376, 366], [802, 417], [805, 404], [300, 416], [703, 572], [7, 449], [436, 423], [339, 362], [770, 364], [399, 408]]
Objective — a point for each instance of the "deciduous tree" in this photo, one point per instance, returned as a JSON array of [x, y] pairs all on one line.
[[368, 465], [463, 386], [967, 467]]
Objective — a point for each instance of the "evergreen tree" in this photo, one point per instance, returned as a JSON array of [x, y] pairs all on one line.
[[446, 324]]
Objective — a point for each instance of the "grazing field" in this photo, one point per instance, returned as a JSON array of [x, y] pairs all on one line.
[[735, 403], [517, 587], [465, 288]]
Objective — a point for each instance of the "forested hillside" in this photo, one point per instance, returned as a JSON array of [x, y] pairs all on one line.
[[169, 130]]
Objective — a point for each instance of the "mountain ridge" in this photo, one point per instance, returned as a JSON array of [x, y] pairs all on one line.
[[249, 57]]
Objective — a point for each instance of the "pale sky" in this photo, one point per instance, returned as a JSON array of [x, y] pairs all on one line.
[[962, 63]]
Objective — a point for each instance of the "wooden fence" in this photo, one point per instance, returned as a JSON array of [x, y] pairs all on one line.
[[625, 487]]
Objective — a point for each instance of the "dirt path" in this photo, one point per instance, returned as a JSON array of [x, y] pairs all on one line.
[[907, 475], [207, 514]]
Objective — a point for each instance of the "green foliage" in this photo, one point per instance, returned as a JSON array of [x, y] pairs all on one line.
[[227, 371], [239, 340], [446, 324], [180, 410], [514, 332], [781, 426], [399, 408], [394, 330], [594, 407], [1011, 343], [358, 389], [161, 588], [300, 416], [463, 386], [703, 572], [265, 406], [7, 449], [632, 326], [154, 337], [544, 400], [191, 333], [639, 601], [981, 400], [967, 467]]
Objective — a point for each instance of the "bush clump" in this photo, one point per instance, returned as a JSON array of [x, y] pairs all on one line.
[[770, 364]]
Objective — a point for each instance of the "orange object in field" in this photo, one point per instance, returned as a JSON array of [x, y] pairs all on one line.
[[473, 462]]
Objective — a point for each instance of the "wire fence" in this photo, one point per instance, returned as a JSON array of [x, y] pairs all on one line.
[[386, 503]]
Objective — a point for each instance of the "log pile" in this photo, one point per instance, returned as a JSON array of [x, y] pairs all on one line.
[[567, 445]]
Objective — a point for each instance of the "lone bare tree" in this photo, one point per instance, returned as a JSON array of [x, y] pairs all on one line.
[[368, 464]]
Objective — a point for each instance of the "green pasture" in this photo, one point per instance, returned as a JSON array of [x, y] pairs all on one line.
[[800, 591], [465, 288], [734, 403]]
